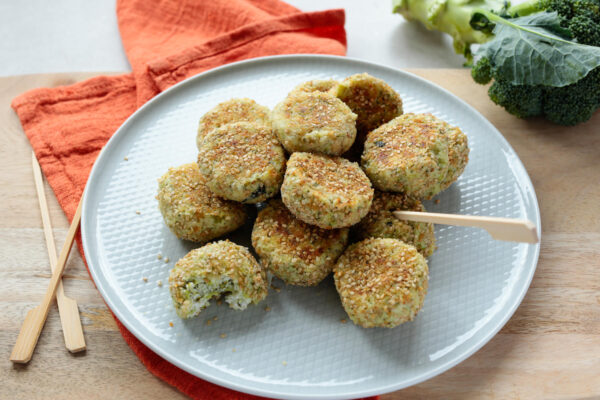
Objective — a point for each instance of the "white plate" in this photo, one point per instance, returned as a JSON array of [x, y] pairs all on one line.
[[300, 349]]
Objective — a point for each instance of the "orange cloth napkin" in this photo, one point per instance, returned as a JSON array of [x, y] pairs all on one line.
[[166, 41]]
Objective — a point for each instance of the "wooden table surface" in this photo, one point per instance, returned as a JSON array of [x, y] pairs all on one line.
[[549, 349]]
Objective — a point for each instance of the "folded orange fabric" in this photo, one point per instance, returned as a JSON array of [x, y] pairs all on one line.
[[166, 41]]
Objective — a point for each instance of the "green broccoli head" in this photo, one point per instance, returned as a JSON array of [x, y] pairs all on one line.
[[581, 17], [476, 21], [519, 100], [482, 71], [568, 105]]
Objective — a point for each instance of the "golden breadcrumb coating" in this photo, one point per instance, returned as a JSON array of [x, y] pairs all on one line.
[[330, 192]]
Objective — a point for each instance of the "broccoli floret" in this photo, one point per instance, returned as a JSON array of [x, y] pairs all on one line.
[[519, 100], [482, 71], [473, 21], [564, 8], [581, 17], [586, 30], [570, 105]]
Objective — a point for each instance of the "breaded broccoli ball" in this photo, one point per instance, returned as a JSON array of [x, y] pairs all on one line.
[[234, 110], [314, 122], [295, 252], [381, 223], [242, 162], [329, 192], [373, 100], [221, 268], [409, 154], [317, 85], [458, 154], [381, 282], [191, 211]]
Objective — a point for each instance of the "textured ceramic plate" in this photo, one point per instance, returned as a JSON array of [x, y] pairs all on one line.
[[300, 348]]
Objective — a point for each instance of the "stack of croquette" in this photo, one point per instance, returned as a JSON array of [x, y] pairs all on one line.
[[297, 164]]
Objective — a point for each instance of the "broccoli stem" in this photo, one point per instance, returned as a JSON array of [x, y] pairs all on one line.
[[451, 17], [526, 8]]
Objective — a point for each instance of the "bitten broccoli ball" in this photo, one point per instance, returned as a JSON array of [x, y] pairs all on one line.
[[221, 268]]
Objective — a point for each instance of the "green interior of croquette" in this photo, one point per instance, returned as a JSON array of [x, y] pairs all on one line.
[[199, 293]]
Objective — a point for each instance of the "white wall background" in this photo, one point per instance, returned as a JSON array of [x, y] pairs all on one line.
[[38, 36]]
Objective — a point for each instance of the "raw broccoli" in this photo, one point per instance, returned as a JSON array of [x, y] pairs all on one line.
[[452, 17], [549, 86]]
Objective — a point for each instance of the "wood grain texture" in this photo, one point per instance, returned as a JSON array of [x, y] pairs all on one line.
[[549, 349], [36, 318]]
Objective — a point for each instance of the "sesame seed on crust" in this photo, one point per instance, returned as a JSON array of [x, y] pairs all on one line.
[[230, 111], [191, 211], [381, 282], [314, 121], [294, 251], [242, 162], [409, 154], [373, 100], [330, 192], [380, 222], [216, 268]]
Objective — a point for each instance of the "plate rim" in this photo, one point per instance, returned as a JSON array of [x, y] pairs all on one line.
[[94, 271]]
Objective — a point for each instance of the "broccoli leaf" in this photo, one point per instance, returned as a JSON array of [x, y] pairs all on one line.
[[529, 51]]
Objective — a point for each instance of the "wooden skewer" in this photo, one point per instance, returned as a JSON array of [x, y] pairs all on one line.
[[35, 319], [512, 230], [67, 307]]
